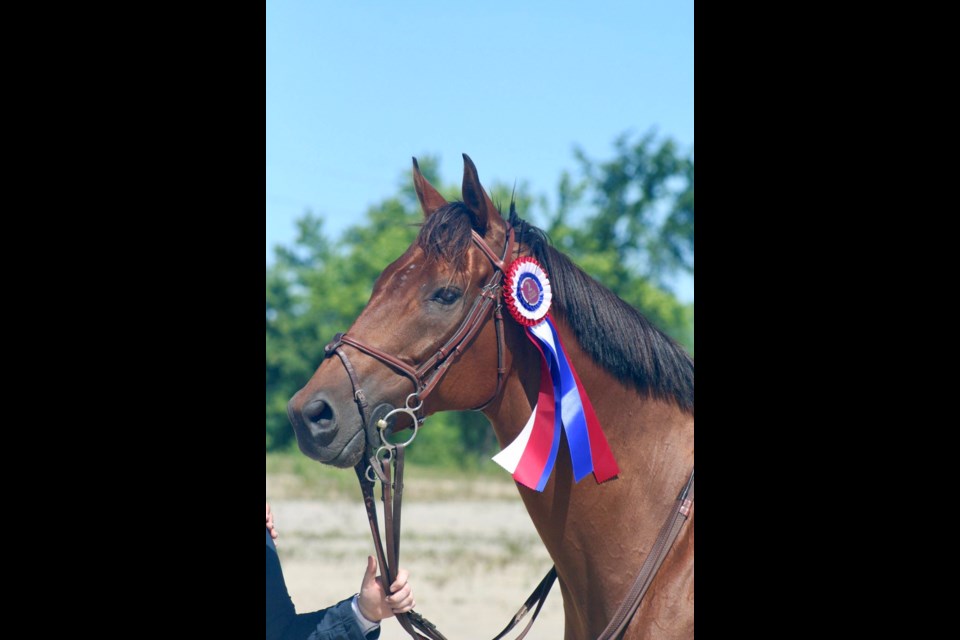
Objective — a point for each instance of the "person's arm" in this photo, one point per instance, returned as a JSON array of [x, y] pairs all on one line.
[[338, 622], [356, 618]]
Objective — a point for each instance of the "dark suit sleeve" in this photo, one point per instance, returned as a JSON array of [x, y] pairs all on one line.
[[283, 623]]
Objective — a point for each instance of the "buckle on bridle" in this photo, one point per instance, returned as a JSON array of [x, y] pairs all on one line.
[[333, 345]]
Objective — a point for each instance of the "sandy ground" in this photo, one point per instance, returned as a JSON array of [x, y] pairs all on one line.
[[472, 561]]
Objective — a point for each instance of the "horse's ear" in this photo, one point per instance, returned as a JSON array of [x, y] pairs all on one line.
[[476, 199], [430, 199]]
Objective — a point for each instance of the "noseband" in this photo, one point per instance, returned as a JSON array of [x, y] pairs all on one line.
[[428, 375]]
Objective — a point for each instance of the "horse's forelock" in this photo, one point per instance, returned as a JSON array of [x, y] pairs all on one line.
[[445, 235]]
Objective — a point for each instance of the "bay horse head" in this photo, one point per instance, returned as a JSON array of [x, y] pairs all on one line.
[[415, 345]]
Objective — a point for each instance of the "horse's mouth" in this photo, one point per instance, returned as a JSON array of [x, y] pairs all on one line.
[[348, 456]]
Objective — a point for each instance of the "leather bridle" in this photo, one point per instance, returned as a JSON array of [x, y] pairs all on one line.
[[428, 374]]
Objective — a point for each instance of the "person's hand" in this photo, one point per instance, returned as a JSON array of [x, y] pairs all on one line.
[[375, 603], [270, 525]]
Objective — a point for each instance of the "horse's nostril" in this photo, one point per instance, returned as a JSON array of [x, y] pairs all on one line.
[[321, 421], [319, 413]]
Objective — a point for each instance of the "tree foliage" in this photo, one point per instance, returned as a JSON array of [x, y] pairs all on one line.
[[627, 221]]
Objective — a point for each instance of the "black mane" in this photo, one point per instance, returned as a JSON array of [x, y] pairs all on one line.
[[616, 335]]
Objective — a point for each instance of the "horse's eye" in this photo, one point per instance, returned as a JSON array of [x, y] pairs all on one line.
[[447, 295]]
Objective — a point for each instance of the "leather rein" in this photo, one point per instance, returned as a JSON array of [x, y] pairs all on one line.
[[425, 378]]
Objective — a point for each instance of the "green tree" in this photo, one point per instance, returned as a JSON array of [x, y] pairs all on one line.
[[628, 222]]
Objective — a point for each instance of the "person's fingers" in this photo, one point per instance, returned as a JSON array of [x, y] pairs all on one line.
[[400, 595], [270, 524], [404, 605], [402, 576]]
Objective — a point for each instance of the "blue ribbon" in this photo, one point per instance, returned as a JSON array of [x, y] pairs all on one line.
[[569, 410]]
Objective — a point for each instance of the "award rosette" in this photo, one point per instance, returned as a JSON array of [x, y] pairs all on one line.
[[562, 402], [527, 291]]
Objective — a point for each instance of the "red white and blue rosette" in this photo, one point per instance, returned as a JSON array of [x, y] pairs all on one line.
[[527, 291], [562, 403]]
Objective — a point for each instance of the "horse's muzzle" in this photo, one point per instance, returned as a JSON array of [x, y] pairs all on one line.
[[314, 422]]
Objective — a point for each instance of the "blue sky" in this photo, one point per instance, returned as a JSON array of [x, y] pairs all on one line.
[[354, 89]]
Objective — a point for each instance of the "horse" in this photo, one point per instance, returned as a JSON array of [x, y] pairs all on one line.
[[639, 381]]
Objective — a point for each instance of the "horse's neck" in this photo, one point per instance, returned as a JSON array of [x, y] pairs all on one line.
[[598, 535]]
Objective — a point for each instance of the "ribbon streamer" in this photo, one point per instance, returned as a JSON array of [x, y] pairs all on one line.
[[562, 403]]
